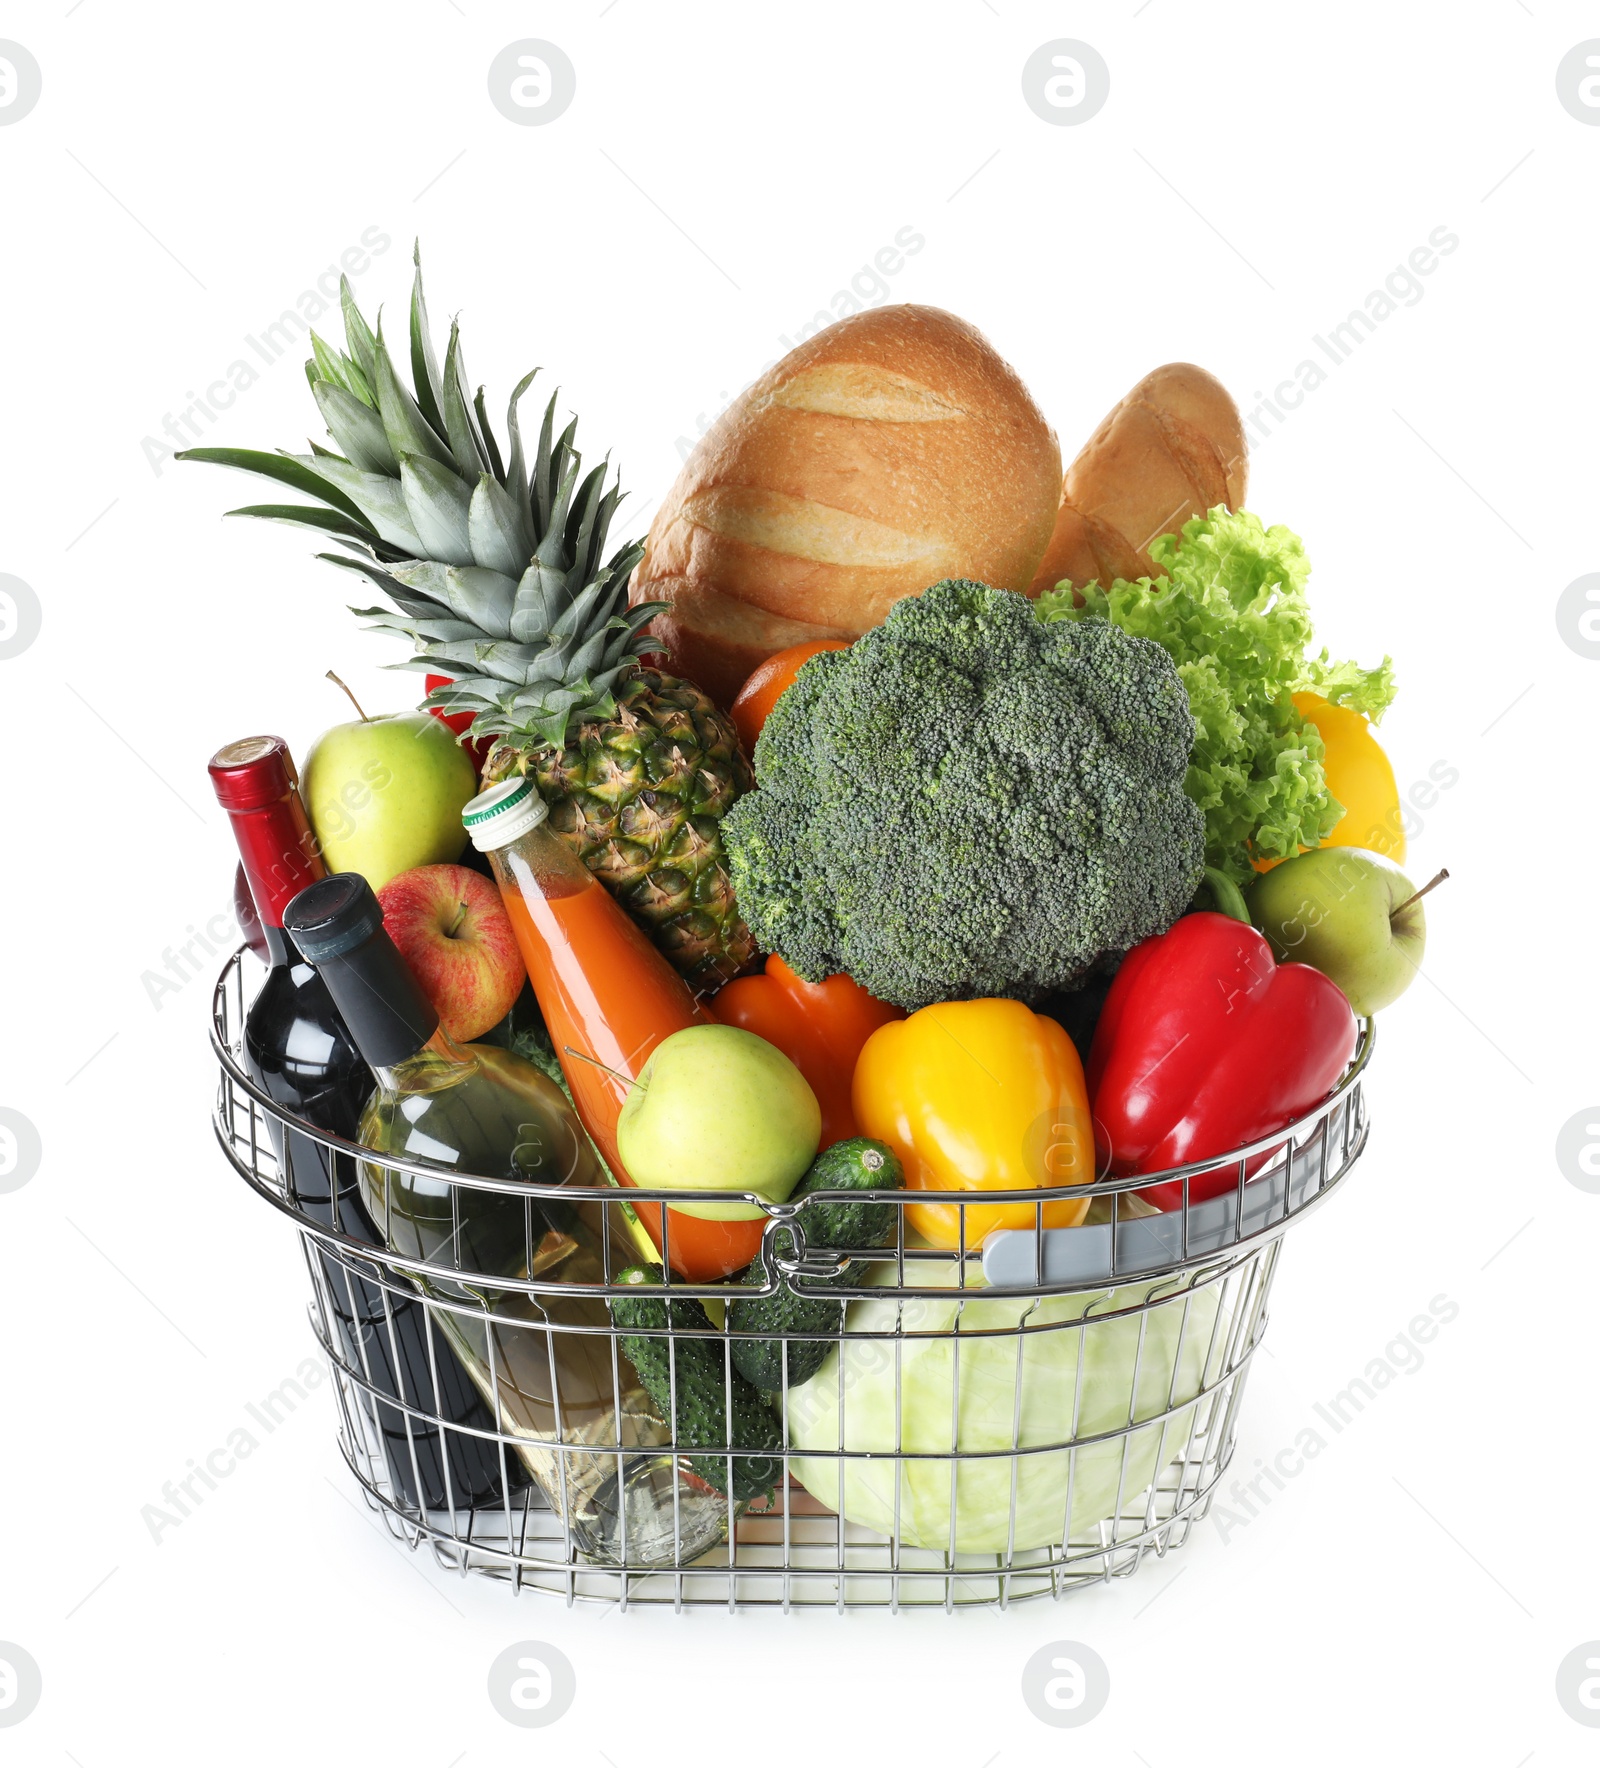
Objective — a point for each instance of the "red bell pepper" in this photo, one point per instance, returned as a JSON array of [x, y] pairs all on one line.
[[1206, 1043], [477, 747], [819, 1026]]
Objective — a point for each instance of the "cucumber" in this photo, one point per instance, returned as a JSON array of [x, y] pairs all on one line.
[[855, 1165], [690, 1369]]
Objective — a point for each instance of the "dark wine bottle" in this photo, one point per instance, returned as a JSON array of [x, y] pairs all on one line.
[[298, 1051]]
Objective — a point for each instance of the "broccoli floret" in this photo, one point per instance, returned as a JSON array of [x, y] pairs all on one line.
[[969, 802]]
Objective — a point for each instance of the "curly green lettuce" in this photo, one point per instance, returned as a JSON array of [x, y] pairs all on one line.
[[1230, 610]]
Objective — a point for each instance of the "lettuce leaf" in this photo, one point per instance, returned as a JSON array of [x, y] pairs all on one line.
[[1230, 609]]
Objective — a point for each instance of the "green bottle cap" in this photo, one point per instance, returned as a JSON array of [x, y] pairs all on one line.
[[503, 814]]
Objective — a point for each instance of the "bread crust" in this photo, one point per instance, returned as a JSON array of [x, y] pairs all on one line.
[[889, 451], [1172, 449]]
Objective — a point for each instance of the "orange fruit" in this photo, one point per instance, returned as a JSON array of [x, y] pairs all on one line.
[[766, 683]]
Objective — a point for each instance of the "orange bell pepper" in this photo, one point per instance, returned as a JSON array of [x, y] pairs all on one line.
[[976, 1096], [819, 1026]]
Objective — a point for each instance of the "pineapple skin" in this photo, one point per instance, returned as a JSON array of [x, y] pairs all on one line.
[[639, 797]]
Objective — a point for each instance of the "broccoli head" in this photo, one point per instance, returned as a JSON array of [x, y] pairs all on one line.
[[969, 802]]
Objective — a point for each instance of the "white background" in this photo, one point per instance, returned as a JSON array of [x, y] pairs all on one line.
[[723, 171]]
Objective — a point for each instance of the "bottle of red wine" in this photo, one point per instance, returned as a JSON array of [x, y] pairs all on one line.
[[298, 1051]]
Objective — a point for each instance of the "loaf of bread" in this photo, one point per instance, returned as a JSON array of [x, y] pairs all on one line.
[[1172, 449], [889, 451]]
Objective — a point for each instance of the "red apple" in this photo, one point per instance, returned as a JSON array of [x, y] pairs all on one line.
[[453, 932]]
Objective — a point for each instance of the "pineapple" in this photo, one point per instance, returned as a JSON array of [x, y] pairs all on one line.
[[498, 576], [638, 796]]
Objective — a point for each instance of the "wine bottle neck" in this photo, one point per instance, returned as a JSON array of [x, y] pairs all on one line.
[[440, 1063], [280, 951], [280, 856], [391, 1020]]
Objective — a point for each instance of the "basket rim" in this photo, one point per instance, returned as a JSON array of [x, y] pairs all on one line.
[[1298, 1138], [1300, 1129]]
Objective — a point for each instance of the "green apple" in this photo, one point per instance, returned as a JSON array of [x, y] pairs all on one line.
[[385, 794], [1352, 914], [717, 1108]]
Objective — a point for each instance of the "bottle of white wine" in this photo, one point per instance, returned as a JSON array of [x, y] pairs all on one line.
[[568, 1401]]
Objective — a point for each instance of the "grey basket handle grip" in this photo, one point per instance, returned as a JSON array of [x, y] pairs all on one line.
[[1023, 1258]]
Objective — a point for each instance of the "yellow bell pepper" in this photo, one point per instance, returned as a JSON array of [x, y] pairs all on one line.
[[978, 1096], [1359, 776]]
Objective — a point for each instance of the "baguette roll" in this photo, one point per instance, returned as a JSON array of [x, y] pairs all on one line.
[[1172, 449]]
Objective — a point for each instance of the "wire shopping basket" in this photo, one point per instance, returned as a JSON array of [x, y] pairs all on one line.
[[976, 1425]]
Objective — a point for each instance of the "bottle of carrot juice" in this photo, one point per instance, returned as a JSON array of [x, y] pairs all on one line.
[[607, 995]]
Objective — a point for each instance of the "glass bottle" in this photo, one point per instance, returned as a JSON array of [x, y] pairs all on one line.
[[297, 1050], [608, 999], [549, 1363]]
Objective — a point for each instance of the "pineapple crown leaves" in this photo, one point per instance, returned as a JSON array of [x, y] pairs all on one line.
[[495, 565]]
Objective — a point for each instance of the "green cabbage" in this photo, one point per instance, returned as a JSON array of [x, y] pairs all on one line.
[[1230, 609], [1021, 1377]]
